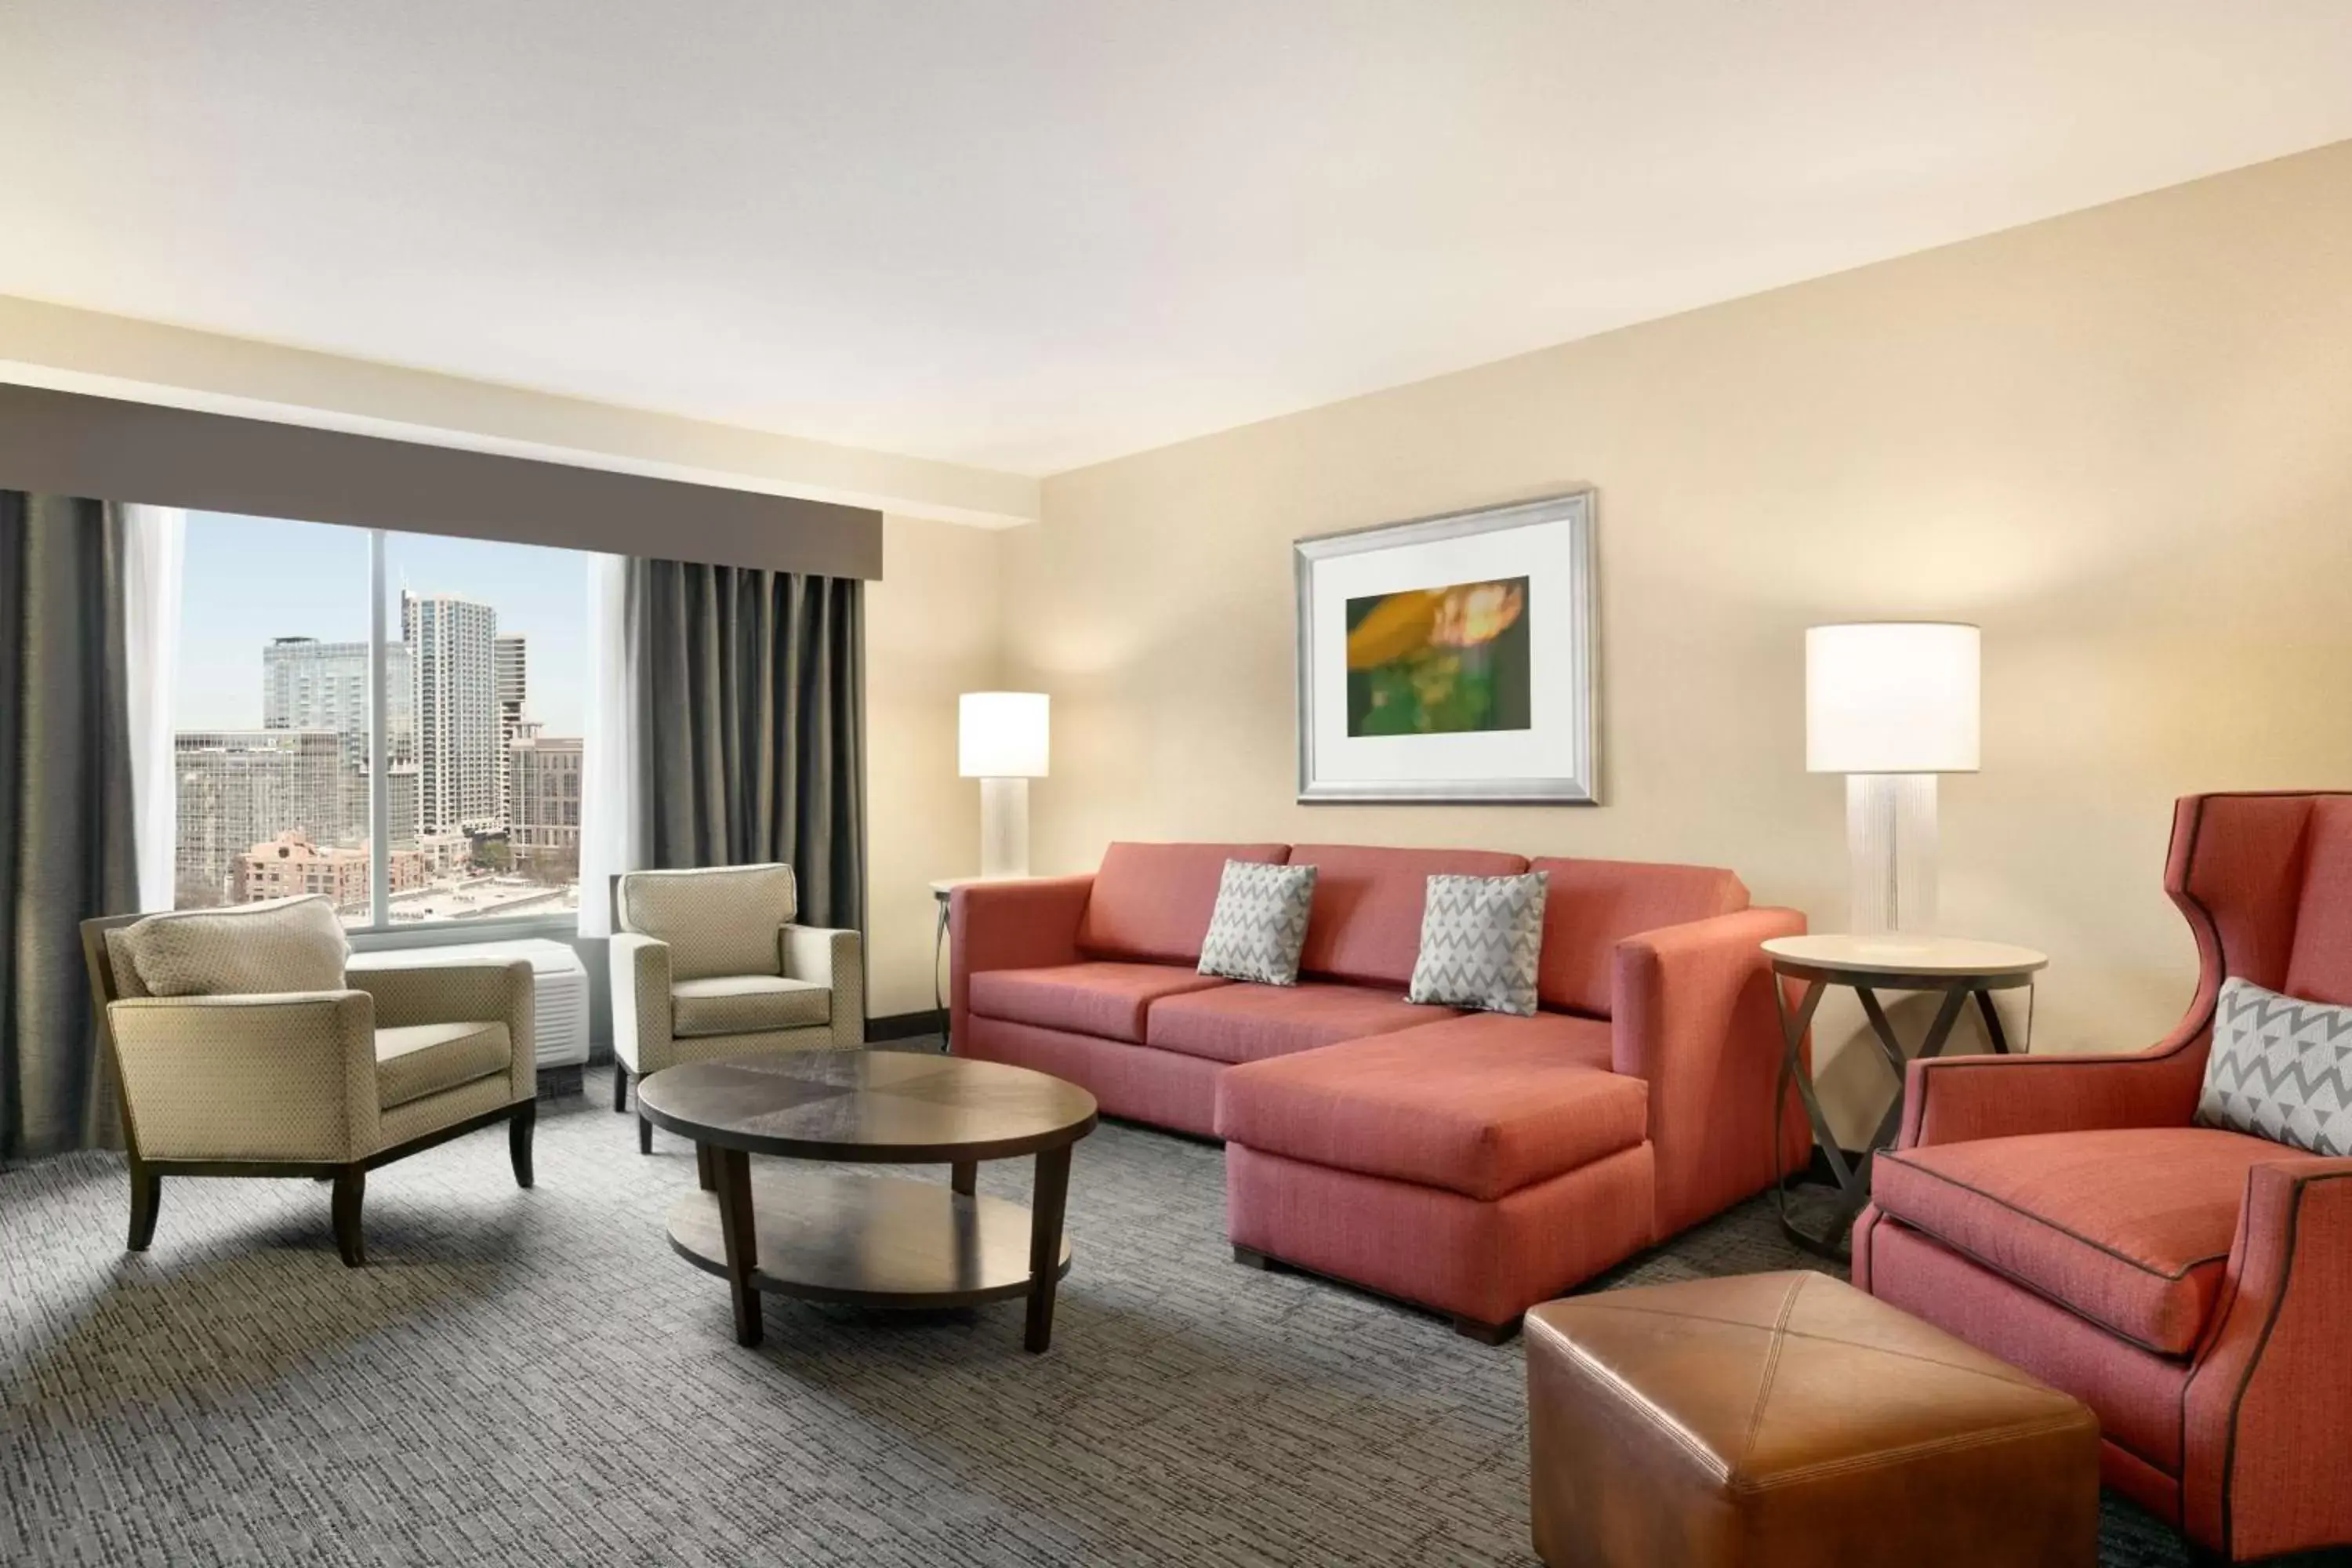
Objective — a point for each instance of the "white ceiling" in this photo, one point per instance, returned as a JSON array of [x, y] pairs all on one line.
[[1031, 235]]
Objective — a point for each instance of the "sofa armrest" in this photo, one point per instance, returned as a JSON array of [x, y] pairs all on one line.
[[2267, 1446], [641, 1001], [1693, 1015], [1011, 925], [280, 1077], [834, 959], [462, 994], [1956, 1100]]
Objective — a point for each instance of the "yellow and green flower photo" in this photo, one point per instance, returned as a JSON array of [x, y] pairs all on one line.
[[1436, 661]]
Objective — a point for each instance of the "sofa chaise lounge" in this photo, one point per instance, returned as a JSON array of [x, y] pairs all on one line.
[[1474, 1163]]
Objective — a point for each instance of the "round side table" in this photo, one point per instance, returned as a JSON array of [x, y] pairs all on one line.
[[1958, 967]]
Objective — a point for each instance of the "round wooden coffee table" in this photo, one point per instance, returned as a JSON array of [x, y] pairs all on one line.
[[876, 1241]]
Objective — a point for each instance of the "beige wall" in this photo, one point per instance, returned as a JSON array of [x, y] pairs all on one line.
[[2120, 440], [932, 632]]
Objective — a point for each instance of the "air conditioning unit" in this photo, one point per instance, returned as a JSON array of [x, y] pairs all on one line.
[[559, 988]]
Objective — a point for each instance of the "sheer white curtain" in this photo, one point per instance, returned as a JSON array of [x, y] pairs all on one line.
[[610, 835], [155, 552]]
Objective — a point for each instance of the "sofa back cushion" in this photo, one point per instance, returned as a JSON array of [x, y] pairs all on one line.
[[2319, 965], [245, 950], [1150, 902], [1595, 904], [1366, 923], [725, 919]]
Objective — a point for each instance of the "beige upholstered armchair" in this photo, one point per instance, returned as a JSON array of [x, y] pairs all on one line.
[[709, 963], [243, 1050]]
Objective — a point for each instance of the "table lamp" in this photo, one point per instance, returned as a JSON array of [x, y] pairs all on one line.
[[1891, 704], [1000, 740]]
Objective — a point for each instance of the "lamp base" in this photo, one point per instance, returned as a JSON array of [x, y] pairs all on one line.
[[1890, 836], [1004, 827]]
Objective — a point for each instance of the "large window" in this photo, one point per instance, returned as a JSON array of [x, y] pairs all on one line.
[[294, 776]]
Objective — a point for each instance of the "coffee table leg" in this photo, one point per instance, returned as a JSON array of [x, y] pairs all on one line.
[[964, 1177], [733, 1168], [704, 1172], [1046, 1243]]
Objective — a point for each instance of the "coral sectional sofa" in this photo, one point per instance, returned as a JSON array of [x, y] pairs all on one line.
[[1473, 1162]]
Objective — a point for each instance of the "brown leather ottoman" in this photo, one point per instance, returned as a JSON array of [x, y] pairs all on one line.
[[1784, 1419]]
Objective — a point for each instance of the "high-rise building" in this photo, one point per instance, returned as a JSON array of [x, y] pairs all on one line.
[[403, 815], [307, 684], [238, 787], [451, 650], [511, 660], [545, 830]]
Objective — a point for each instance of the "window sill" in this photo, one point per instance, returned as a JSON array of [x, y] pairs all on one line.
[[564, 927]]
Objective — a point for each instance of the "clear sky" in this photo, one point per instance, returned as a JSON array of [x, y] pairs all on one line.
[[250, 579]]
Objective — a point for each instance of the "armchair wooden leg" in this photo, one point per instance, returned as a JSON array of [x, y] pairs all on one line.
[[351, 1189], [620, 1087], [146, 1197], [645, 1134], [518, 1132]]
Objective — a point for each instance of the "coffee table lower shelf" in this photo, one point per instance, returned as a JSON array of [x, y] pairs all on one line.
[[869, 1241]]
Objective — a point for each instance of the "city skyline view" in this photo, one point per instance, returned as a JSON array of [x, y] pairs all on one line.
[[249, 581], [272, 755]]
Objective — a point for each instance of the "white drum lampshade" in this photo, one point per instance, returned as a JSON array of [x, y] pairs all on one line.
[[1003, 738], [1891, 704]]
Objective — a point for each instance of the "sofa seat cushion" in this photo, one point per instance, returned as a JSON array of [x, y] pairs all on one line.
[[747, 1004], [1249, 1023], [1100, 998], [425, 1058], [2129, 1229], [1482, 1106]]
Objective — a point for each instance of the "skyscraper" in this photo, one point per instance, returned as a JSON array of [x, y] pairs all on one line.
[[238, 787], [451, 644], [307, 684], [511, 658], [545, 829]]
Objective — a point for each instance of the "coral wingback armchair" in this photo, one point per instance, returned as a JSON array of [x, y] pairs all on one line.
[[2192, 1285]]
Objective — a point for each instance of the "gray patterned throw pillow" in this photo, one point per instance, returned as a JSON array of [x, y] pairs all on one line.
[[2280, 1069], [1480, 938], [1260, 922]]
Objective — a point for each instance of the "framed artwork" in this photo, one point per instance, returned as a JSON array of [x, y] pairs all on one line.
[[1450, 659]]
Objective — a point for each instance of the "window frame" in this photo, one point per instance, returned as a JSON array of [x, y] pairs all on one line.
[[379, 933]]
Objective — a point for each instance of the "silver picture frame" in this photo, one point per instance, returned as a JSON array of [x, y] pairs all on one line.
[[1578, 785]]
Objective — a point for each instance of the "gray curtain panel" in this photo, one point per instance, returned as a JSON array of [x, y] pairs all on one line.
[[751, 689], [66, 836]]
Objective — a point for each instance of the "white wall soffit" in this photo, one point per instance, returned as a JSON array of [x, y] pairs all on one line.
[[68, 350]]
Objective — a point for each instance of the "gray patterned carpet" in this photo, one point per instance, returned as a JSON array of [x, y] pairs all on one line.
[[535, 1378]]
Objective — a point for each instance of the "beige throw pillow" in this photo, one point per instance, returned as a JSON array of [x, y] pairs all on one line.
[[245, 950]]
